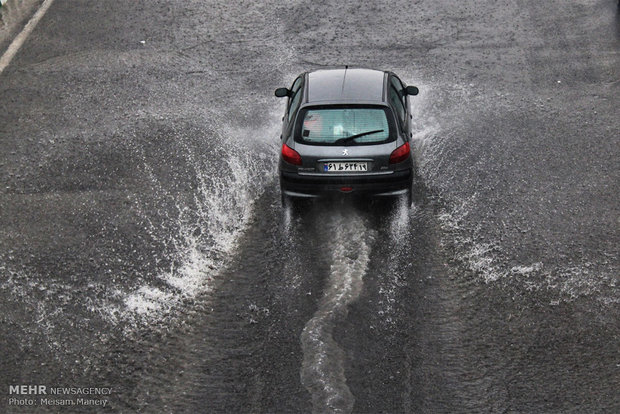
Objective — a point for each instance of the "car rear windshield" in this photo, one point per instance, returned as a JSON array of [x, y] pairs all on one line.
[[344, 126]]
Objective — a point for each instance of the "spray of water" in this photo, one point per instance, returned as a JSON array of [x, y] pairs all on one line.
[[208, 226], [435, 143]]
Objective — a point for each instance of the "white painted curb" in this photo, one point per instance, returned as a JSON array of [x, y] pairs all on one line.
[[23, 35]]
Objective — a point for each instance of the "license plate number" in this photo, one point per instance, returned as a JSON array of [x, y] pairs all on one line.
[[345, 166]]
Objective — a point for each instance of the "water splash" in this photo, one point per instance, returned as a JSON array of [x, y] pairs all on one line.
[[209, 224]]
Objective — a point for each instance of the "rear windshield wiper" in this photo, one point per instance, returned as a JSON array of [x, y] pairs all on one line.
[[352, 137]]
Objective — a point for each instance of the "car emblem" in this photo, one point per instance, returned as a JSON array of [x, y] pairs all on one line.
[[345, 152]]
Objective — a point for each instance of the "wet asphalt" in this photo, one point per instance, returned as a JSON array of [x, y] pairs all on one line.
[[143, 246]]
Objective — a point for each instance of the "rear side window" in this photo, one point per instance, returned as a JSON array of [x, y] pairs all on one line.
[[332, 126], [295, 99], [395, 96]]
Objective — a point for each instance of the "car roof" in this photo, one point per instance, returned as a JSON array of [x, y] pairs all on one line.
[[345, 85]]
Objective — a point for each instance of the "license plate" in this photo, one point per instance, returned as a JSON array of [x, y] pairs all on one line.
[[345, 166]]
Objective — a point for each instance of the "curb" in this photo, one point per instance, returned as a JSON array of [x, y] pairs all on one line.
[[21, 37]]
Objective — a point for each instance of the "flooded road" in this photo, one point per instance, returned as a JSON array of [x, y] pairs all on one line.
[[143, 246]]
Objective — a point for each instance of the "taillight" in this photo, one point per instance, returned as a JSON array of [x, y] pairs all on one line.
[[290, 155], [400, 154]]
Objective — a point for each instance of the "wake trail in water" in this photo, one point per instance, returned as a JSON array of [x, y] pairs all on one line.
[[322, 371]]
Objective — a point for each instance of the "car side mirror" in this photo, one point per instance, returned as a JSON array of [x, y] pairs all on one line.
[[282, 92], [412, 90]]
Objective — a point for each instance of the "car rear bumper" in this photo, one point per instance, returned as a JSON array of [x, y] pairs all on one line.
[[316, 185]]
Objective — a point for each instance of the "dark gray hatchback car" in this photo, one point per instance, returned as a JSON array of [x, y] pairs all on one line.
[[346, 131]]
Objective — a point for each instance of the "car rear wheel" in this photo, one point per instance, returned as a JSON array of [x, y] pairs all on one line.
[[287, 201]]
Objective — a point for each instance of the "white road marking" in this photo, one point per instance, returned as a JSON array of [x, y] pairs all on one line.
[[23, 35]]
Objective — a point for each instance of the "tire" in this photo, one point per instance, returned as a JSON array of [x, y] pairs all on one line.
[[287, 201]]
